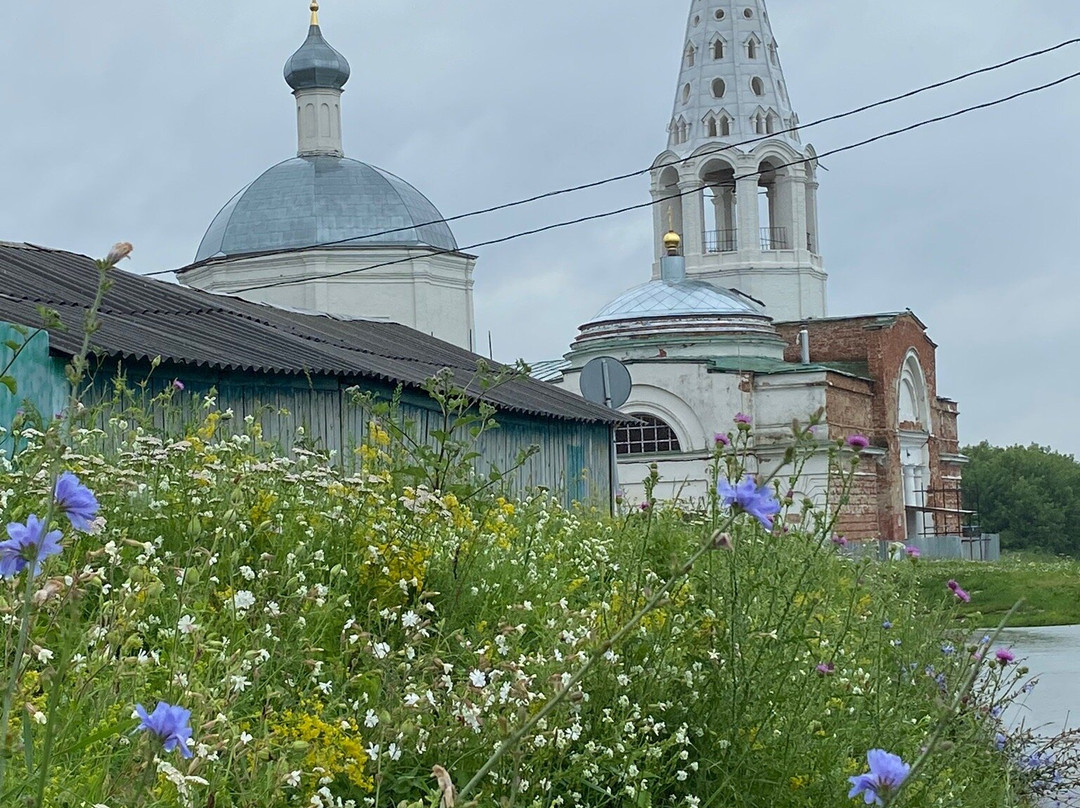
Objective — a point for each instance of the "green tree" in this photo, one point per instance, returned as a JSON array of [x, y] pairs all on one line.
[[1028, 494]]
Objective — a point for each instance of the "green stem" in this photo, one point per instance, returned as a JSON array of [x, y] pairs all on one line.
[[954, 709], [13, 677]]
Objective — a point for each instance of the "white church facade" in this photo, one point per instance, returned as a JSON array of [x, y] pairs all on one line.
[[735, 320]]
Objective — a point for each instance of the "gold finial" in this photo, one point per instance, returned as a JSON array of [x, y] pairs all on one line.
[[314, 12], [672, 242]]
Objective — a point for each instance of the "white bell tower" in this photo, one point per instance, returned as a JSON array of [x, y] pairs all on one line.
[[747, 211]]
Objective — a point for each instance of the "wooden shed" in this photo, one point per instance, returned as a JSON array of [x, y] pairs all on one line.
[[284, 368]]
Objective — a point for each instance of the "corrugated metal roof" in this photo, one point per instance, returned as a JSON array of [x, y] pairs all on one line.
[[142, 318]]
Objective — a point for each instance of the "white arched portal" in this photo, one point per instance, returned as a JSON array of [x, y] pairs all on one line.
[[913, 424]]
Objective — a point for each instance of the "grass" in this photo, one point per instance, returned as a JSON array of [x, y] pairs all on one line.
[[1049, 587]]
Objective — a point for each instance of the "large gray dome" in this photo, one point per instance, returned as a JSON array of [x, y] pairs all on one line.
[[661, 298], [313, 200]]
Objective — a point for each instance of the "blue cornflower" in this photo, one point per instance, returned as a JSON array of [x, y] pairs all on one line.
[[758, 502], [948, 650], [999, 741], [886, 624], [170, 724], [76, 500], [887, 773], [29, 545]]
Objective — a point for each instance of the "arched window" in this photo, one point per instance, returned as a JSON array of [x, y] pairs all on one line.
[[914, 404], [757, 85], [725, 126], [751, 49], [718, 50], [714, 130], [686, 93], [719, 87], [772, 53], [651, 436], [691, 54]]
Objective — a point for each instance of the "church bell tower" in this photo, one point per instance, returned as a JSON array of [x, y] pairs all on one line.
[[734, 180]]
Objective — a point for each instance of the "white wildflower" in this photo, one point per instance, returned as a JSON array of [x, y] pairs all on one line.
[[187, 625]]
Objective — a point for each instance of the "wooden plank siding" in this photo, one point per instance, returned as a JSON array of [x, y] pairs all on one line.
[[573, 460]]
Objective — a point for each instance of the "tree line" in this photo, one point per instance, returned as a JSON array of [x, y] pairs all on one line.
[[1028, 494]]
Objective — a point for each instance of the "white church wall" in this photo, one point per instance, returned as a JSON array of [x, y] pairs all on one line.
[[431, 293]]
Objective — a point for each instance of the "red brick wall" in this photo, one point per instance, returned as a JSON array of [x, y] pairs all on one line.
[[882, 343]]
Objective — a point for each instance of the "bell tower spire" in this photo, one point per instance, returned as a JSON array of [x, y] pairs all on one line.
[[747, 213]]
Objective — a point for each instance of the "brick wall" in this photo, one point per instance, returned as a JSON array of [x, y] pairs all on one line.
[[880, 344]]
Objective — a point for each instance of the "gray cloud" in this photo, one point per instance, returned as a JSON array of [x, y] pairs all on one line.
[[138, 121]]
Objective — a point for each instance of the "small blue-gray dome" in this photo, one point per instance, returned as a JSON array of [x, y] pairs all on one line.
[[661, 298], [320, 199], [316, 65]]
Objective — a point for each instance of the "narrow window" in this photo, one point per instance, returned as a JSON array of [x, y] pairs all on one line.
[[751, 49], [772, 53], [757, 85], [725, 126], [691, 55], [713, 131], [718, 50], [686, 93]]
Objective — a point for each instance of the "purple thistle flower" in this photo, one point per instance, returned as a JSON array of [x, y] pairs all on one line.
[[29, 545], [958, 591], [839, 541], [1004, 656], [169, 723], [177, 385], [742, 419], [858, 441], [722, 439], [758, 502], [913, 552], [76, 500], [887, 773], [826, 668]]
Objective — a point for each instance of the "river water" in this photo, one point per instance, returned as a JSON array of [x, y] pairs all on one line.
[[1053, 655]]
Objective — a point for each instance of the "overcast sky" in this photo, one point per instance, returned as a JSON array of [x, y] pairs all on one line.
[[139, 120]]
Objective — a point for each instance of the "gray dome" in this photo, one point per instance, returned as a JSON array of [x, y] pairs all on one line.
[[660, 298], [313, 200], [316, 65]]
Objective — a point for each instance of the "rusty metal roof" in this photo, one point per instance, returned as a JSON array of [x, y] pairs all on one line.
[[142, 318]]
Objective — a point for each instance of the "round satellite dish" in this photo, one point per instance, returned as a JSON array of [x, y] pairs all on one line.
[[606, 381]]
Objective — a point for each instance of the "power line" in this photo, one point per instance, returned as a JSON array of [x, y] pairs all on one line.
[[651, 203], [640, 172]]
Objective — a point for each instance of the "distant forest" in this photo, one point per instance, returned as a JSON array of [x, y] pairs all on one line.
[[1028, 494]]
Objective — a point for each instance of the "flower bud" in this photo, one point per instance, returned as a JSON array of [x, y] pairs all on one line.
[[118, 253]]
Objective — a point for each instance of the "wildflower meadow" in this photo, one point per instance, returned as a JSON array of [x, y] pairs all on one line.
[[206, 619]]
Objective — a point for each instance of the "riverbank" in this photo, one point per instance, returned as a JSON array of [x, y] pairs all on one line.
[[1049, 586]]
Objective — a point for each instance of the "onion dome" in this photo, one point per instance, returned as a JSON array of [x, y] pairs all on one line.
[[316, 65]]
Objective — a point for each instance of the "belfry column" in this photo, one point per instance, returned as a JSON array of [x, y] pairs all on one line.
[[746, 202], [693, 217]]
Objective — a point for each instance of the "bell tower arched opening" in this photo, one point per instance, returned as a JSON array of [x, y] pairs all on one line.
[[775, 209], [718, 207]]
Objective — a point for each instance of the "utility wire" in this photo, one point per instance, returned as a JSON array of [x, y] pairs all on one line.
[[620, 177], [643, 205]]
